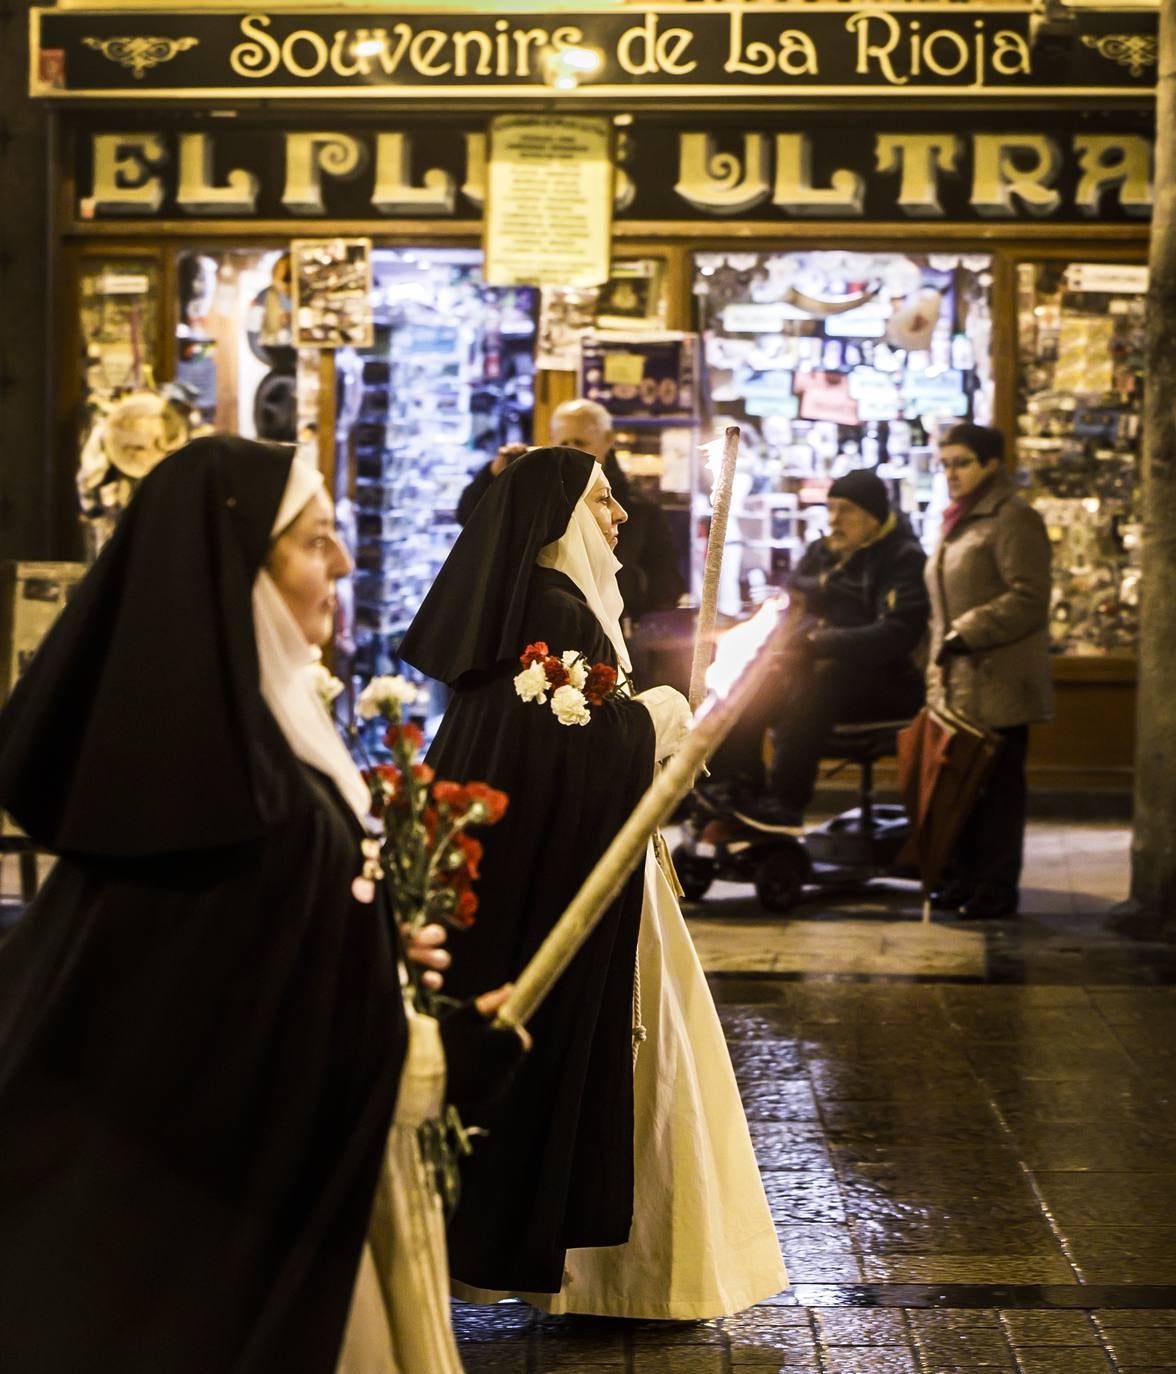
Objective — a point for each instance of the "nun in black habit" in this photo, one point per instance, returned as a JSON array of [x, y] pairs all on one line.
[[201, 1028], [602, 1187]]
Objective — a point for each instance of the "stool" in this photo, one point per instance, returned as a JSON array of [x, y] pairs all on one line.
[[863, 743]]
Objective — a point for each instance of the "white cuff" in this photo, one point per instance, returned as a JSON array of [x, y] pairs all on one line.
[[671, 718]]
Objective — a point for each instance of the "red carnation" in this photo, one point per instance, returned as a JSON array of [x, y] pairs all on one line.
[[534, 653], [557, 673], [599, 683], [451, 794], [471, 851], [384, 781], [467, 906], [408, 737], [423, 773], [492, 801]]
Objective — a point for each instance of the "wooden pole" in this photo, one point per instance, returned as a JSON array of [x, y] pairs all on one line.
[[1151, 910], [747, 650], [708, 602]]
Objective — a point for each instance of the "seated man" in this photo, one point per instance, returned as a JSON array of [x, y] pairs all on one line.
[[862, 615]]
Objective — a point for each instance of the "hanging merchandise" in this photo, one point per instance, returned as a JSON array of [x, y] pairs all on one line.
[[127, 437]]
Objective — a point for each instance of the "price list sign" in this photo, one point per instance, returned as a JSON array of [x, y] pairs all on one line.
[[549, 201]]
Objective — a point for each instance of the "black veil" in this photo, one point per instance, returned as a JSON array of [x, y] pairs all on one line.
[[470, 620], [134, 731]]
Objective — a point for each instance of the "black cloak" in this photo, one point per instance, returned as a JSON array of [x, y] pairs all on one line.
[[557, 1168], [201, 1031]]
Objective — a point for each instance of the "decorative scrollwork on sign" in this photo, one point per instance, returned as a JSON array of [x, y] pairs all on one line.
[[1131, 50], [140, 52]]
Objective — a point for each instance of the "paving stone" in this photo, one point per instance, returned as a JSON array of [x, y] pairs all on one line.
[[968, 1269], [494, 1359], [848, 1359], [682, 1360], [1133, 1198], [855, 1326], [501, 1321], [795, 1196], [1126, 1318], [1142, 1345], [665, 1334], [1124, 1254], [1049, 1328], [1062, 1359]]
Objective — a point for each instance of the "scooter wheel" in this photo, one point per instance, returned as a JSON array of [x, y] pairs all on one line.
[[694, 873], [780, 878]]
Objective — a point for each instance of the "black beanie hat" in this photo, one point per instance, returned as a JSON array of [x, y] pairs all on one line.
[[865, 489], [984, 441]]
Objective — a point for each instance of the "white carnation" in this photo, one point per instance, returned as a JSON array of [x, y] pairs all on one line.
[[573, 661], [570, 706], [531, 683], [385, 691], [326, 684]]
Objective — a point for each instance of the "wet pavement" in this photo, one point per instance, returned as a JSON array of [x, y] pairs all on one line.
[[967, 1135]]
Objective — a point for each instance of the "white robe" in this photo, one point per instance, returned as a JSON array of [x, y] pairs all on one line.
[[703, 1243], [399, 1321]]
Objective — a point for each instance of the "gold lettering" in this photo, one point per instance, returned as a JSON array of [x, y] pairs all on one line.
[[423, 53], [861, 24], [125, 167], [798, 53], [1011, 54], [710, 180], [1110, 160], [318, 47], [502, 43], [461, 41], [394, 192], [920, 158], [997, 177], [308, 156], [474, 186], [344, 43], [657, 52], [794, 190], [259, 57], [567, 36], [524, 38], [953, 39], [198, 194], [390, 60], [754, 60]]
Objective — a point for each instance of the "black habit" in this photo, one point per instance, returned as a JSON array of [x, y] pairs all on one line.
[[201, 1031], [556, 1170]]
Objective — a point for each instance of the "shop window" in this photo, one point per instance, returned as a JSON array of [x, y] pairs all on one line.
[[833, 360], [1081, 352]]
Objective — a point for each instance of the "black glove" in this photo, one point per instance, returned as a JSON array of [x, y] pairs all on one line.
[[954, 646], [480, 1061]]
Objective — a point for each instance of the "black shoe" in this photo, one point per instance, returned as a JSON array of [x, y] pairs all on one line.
[[950, 897], [771, 817], [988, 907]]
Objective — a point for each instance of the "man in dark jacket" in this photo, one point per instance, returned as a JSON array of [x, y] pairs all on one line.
[[649, 579], [862, 615]]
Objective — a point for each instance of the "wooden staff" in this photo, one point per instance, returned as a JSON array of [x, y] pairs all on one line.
[[736, 673], [721, 507]]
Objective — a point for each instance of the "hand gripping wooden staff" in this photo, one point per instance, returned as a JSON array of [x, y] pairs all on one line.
[[736, 673]]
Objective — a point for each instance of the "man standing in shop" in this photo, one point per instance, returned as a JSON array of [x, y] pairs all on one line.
[[862, 618], [649, 579]]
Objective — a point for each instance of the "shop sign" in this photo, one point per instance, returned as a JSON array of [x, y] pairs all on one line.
[[548, 215], [909, 169], [701, 52]]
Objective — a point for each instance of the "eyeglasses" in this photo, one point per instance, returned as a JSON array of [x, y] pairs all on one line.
[[956, 465]]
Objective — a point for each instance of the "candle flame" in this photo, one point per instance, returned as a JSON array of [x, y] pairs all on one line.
[[742, 644]]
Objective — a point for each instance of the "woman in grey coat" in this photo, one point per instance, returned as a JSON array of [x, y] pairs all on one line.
[[989, 584]]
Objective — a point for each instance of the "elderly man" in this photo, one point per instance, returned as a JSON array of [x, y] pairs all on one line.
[[862, 616], [650, 579]]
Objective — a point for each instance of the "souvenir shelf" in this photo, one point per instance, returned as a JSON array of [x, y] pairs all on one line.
[[1081, 345], [448, 380], [830, 361]]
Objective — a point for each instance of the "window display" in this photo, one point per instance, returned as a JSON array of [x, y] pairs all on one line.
[[1081, 344], [832, 360], [448, 380]]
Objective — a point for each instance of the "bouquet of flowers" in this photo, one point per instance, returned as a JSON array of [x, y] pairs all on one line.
[[429, 858], [574, 684]]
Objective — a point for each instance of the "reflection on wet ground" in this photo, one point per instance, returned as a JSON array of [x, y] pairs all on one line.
[[967, 1143]]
